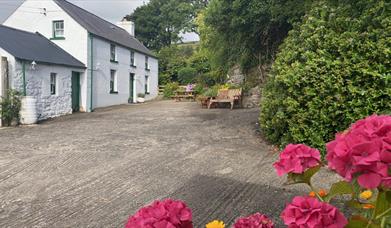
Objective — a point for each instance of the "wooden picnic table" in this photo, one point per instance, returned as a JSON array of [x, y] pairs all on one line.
[[180, 95]]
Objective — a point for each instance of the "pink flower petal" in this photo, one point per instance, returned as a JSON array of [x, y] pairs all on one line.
[[369, 180]]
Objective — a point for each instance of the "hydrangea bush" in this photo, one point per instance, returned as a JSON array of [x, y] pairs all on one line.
[[162, 214], [361, 156]]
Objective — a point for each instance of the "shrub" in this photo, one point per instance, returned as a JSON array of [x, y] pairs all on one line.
[[169, 89], [211, 78], [199, 89], [212, 91], [187, 75], [332, 70], [10, 107]]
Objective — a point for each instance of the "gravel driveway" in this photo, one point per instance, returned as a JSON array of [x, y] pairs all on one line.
[[95, 169]]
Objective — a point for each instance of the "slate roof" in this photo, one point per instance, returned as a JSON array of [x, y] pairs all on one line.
[[34, 47], [102, 28]]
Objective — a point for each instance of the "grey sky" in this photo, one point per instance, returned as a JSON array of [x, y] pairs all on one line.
[[111, 10]]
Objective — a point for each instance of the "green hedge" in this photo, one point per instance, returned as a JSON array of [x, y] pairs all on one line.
[[332, 70], [170, 89]]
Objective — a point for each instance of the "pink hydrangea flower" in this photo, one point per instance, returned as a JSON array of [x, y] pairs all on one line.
[[363, 151], [311, 213], [297, 158], [254, 221], [162, 214]]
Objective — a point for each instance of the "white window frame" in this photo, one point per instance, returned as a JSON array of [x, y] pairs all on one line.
[[58, 32], [53, 84], [113, 81]]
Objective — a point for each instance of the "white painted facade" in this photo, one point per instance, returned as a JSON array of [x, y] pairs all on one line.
[[90, 49], [38, 85], [123, 68]]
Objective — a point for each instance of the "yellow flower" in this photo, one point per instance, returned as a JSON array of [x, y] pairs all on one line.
[[215, 224], [366, 195]]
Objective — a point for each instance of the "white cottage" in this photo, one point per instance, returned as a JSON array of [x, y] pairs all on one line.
[[37, 67], [118, 66]]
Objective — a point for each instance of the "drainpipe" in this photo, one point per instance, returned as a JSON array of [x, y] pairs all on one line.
[[91, 68], [24, 78]]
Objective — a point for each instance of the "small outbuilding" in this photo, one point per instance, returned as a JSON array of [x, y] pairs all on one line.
[[36, 67]]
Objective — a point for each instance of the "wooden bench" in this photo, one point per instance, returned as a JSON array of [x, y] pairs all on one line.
[[226, 96]]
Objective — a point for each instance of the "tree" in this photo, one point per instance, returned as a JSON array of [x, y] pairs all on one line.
[[247, 32], [171, 59], [160, 22]]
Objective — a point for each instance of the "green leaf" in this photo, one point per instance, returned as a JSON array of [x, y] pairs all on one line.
[[381, 203], [339, 188], [307, 175], [302, 178], [354, 204], [357, 222]]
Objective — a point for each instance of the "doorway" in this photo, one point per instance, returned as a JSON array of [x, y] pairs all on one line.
[[131, 88], [75, 91]]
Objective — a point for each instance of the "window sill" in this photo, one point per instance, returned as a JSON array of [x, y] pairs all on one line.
[[147, 93], [147, 69], [113, 61], [134, 66], [113, 92], [57, 38]]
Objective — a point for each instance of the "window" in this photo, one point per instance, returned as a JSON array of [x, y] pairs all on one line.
[[58, 29], [113, 81], [132, 63], [53, 83], [113, 54], [146, 85], [146, 62]]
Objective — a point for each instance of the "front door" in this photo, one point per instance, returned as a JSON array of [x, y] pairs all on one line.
[[75, 91], [131, 88]]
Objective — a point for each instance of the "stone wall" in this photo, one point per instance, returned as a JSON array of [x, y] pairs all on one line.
[[38, 86], [235, 76], [250, 98]]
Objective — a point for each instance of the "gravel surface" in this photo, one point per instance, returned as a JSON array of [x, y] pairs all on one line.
[[95, 169]]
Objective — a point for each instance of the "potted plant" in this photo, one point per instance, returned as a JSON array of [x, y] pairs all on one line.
[[140, 98]]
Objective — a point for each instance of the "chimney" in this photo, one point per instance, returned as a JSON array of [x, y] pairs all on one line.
[[127, 25]]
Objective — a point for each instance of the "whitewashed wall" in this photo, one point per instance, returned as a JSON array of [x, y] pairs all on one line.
[[38, 85], [76, 37], [102, 67], [77, 43]]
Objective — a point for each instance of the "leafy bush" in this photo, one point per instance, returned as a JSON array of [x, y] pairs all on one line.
[[169, 89], [333, 69], [211, 78], [186, 75], [212, 91], [171, 60], [10, 107], [199, 89]]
